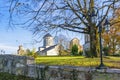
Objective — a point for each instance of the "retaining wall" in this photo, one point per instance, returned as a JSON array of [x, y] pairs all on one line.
[[22, 65]]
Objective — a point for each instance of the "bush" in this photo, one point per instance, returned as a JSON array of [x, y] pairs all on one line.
[[31, 53], [81, 53], [106, 51], [88, 53], [64, 53], [116, 55], [74, 50]]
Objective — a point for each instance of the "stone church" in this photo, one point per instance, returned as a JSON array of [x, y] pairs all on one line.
[[21, 50], [48, 48], [75, 41]]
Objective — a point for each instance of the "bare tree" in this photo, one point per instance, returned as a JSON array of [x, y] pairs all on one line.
[[53, 15], [62, 40]]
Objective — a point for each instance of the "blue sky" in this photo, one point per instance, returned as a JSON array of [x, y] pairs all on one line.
[[10, 39]]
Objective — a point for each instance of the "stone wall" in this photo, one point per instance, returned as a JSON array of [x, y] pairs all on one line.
[[15, 64], [21, 65], [72, 73]]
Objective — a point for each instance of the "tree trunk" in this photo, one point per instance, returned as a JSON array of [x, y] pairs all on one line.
[[94, 42], [113, 52]]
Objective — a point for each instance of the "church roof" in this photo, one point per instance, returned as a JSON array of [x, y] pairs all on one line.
[[49, 48], [47, 35], [75, 39]]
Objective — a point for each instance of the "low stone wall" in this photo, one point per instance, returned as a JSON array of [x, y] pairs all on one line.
[[72, 73], [15, 64], [21, 65]]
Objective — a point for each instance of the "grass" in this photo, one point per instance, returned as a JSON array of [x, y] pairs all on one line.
[[112, 62]]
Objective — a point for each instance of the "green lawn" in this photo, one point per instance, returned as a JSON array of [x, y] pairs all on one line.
[[113, 62]]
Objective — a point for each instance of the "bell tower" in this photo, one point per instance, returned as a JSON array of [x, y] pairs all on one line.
[[48, 40]]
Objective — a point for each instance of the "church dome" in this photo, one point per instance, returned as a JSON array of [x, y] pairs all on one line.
[[48, 40], [47, 35]]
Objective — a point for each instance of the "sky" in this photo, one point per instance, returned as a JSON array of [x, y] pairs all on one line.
[[11, 38]]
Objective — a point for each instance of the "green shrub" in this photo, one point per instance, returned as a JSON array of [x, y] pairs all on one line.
[[64, 53], [116, 55], [81, 53], [88, 53], [106, 51], [74, 50], [31, 53]]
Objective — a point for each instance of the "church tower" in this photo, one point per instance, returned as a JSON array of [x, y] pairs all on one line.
[[87, 38], [48, 40], [20, 51]]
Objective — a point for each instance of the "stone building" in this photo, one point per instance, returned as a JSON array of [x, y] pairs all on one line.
[[48, 40], [48, 48], [20, 51], [75, 41], [86, 46]]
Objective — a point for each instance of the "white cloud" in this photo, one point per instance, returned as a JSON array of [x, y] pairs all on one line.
[[8, 48]]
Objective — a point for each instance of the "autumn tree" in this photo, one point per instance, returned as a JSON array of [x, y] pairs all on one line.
[[31, 53], [53, 15], [112, 38]]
